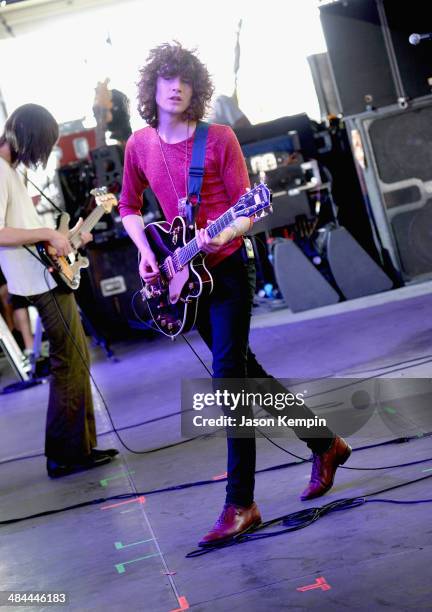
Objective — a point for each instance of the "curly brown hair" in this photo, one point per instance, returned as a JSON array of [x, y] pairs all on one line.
[[170, 60]]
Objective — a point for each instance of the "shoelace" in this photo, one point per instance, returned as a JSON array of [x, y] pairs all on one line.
[[315, 468], [224, 514]]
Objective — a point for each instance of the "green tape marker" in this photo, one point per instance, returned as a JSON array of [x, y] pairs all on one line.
[[120, 567], [104, 481], [119, 545]]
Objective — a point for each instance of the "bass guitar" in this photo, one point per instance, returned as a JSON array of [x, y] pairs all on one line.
[[66, 270], [172, 299]]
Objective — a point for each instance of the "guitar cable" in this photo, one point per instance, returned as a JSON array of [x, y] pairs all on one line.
[[191, 348], [181, 442], [66, 327], [303, 518], [291, 522], [303, 459]]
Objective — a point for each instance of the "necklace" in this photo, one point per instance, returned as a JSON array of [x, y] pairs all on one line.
[[181, 201]]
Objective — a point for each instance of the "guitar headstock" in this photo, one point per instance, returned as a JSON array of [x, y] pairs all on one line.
[[102, 104], [256, 202], [104, 198]]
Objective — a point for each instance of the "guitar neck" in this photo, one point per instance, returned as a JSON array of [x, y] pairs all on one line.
[[101, 127], [87, 225], [191, 249]]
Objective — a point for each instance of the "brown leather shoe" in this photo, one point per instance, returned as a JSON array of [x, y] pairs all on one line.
[[232, 521], [324, 468]]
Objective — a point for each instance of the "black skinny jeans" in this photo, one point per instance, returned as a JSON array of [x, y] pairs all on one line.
[[224, 323]]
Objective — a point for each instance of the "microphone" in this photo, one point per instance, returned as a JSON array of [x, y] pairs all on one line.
[[415, 39]]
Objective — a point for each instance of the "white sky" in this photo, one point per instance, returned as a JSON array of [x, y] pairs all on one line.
[[58, 65]]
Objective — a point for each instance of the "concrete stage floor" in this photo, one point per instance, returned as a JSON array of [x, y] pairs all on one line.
[[129, 554]]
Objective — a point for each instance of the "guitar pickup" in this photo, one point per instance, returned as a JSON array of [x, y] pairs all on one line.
[[149, 292]]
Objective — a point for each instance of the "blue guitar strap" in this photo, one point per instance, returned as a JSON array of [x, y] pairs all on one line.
[[196, 173]]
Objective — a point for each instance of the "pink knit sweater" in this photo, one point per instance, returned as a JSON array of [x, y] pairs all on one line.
[[225, 176]]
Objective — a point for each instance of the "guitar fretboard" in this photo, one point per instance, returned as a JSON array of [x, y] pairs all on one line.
[[191, 249], [88, 224]]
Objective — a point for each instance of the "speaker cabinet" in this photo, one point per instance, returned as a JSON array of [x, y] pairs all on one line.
[[397, 178], [372, 61], [325, 88], [108, 167], [301, 284], [76, 180], [354, 271], [108, 287]]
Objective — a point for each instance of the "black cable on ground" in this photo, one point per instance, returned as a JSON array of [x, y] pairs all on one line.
[[174, 444], [144, 452], [365, 469], [281, 465], [291, 522], [391, 365], [353, 502], [304, 518], [198, 483]]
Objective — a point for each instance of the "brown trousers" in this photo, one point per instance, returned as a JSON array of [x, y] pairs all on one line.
[[70, 424]]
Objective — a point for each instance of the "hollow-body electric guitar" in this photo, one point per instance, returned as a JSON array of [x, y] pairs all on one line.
[[66, 270], [173, 298]]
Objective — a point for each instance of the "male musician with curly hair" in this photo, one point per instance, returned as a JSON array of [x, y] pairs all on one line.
[[174, 91], [28, 138]]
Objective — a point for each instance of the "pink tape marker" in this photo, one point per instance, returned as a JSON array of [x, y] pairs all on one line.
[[140, 500], [184, 605], [320, 583]]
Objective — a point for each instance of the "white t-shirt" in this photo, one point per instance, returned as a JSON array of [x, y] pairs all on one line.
[[23, 272]]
